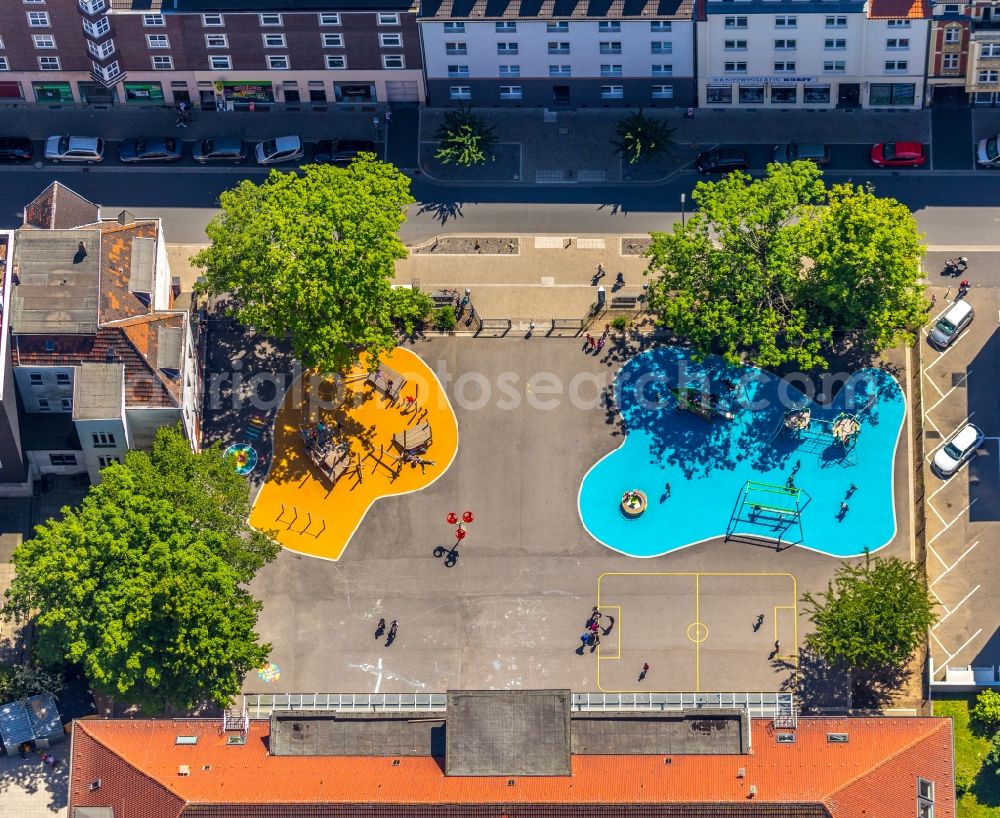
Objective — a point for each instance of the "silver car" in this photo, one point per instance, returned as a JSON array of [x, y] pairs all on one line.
[[89, 149], [958, 449], [948, 327], [988, 152], [282, 149]]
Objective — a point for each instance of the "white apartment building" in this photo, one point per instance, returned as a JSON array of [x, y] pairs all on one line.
[[813, 54], [555, 54]]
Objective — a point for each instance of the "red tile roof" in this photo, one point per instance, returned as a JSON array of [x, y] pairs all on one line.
[[899, 10], [874, 773], [57, 207]]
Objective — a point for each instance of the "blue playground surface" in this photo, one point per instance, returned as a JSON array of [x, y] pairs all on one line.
[[723, 451]]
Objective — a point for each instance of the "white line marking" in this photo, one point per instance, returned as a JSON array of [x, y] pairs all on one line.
[[938, 513], [934, 637], [931, 422], [959, 605], [931, 382], [967, 641], [936, 554], [964, 378], [949, 525], [959, 426], [956, 562]]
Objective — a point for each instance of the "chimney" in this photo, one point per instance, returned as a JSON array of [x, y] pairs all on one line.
[[183, 770], [125, 218]]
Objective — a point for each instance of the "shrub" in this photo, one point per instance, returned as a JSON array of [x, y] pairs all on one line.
[[409, 307], [445, 319], [986, 713], [620, 323], [465, 139], [640, 137], [991, 760]]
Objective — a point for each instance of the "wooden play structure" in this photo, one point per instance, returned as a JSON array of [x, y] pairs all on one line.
[[409, 440], [387, 382]]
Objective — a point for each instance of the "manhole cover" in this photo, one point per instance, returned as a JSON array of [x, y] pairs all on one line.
[[958, 379], [931, 434]]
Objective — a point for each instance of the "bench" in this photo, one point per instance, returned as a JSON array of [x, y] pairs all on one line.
[[620, 302], [443, 298], [416, 438], [381, 379]]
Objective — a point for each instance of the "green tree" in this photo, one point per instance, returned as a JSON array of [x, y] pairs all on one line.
[[769, 270], [143, 584], [986, 713], [19, 681], [313, 256], [872, 617], [640, 137], [465, 139], [409, 307]]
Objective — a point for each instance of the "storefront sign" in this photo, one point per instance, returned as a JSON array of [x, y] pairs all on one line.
[[258, 91], [52, 91], [143, 92], [758, 80]]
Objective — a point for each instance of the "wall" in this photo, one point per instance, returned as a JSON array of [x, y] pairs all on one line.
[[143, 423], [92, 451], [49, 389]]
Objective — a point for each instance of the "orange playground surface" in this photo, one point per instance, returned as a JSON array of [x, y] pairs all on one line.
[[299, 505]]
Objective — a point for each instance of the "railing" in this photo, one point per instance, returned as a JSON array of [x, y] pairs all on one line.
[[758, 705]]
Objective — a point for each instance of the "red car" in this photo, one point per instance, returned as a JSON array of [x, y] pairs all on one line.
[[898, 155]]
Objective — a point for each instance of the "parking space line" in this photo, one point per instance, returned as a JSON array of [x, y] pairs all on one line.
[[930, 454], [956, 562], [949, 525], [927, 419], [963, 647], [961, 381], [936, 554], [936, 512], [944, 619], [944, 485], [936, 389], [940, 645]]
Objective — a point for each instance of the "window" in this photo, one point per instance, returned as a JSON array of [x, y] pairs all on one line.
[[388, 18], [459, 92], [612, 91], [278, 62], [157, 41], [661, 47], [270, 19], [454, 28], [816, 93], [736, 45], [559, 70], [953, 34], [786, 21], [663, 92], [506, 28], [98, 29], [67, 404], [719, 94], [925, 798], [390, 40], [834, 66], [333, 41], [736, 22], [895, 65], [608, 70], [108, 72], [784, 45], [735, 67], [609, 26], [217, 40], [163, 63], [506, 48], [458, 70], [510, 70], [786, 66], [663, 70], [101, 50], [38, 19], [89, 6], [43, 404], [220, 62], [4, 65], [834, 45], [48, 63], [608, 47], [898, 24], [35, 378], [329, 18], [336, 62], [456, 49], [393, 61], [988, 76], [661, 25], [211, 20], [510, 92], [103, 440], [990, 50], [273, 40], [950, 62], [897, 44], [836, 21], [558, 48], [952, 8], [62, 459], [153, 20], [44, 40], [560, 27], [108, 460]]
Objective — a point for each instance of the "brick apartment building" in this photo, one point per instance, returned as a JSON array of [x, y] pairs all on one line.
[[233, 54], [963, 64]]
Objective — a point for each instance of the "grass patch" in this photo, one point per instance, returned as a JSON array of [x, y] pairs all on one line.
[[978, 789]]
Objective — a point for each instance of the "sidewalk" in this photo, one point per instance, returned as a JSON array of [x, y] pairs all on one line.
[[30, 789]]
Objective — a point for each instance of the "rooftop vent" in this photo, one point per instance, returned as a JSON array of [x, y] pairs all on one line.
[[752, 791], [395, 762], [126, 217], [786, 738], [206, 767], [836, 738], [668, 761], [510, 782], [186, 740], [183, 770], [94, 785], [741, 772]]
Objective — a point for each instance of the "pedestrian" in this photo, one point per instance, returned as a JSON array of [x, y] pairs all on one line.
[[607, 331], [392, 633], [777, 647], [591, 342], [620, 280], [388, 387], [844, 508], [81, 249], [586, 341], [600, 343], [388, 116], [584, 638], [667, 490], [595, 616], [594, 625], [595, 642], [180, 121], [380, 629], [645, 670], [758, 623], [933, 300]]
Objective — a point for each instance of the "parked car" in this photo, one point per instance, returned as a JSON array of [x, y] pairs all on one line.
[[722, 160], [988, 152], [898, 155], [219, 150], [820, 154], [89, 149], [957, 449], [282, 149], [16, 149], [951, 324], [155, 149], [341, 151]]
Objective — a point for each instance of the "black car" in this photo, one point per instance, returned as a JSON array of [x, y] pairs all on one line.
[[155, 149], [15, 149], [722, 160], [341, 151]]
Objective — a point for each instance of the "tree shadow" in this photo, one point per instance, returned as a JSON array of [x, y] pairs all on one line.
[[443, 212], [818, 686], [46, 785]]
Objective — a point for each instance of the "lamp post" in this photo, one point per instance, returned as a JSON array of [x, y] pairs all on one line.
[[683, 202]]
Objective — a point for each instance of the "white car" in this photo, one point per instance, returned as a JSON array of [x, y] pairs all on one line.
[[89, 149], [282, 149], [988, 152], [959, 448]]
